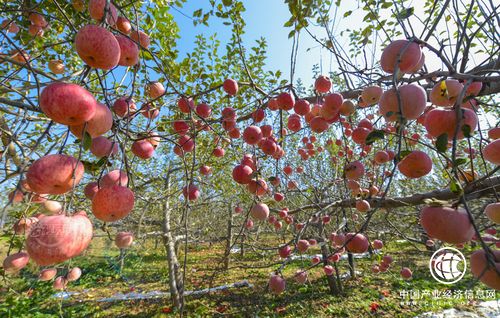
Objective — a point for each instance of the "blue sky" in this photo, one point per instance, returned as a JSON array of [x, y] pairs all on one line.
[[264, 18]]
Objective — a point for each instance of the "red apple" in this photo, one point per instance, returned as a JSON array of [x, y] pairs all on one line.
[[54, 174], [97, 10], [97, 47], [123, 24], [276, 284], [103, 147], [482, 270], [124, 107], [124, 239], [143, 149], [98, 125], [112, 203], [406, 273], [115, 177], [230, 86], [67, 104], [15, 262], [73, 274], [357, 243], [47, 274], [447, 224], [260, 211], [191, 192], [129, 51], [90, 190], [57, 238]]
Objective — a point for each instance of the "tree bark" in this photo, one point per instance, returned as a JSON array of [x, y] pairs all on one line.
[[332, 284], [352, 271], [333, 280], [229, 237], [474, 190], [175, 280]]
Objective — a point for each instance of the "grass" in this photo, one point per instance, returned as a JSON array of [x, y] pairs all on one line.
[[145, 270]]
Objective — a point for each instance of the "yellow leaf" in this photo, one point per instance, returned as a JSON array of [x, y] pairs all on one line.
[[444, 89]]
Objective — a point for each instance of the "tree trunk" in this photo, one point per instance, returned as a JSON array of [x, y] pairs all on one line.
[[175, 280], [229, 237], [350, 258], [242, 251], [334, 289], [337, 275], [333, 281], [122, 259], [139, 223]]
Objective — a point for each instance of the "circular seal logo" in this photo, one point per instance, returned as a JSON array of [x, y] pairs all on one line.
[[447, 265]]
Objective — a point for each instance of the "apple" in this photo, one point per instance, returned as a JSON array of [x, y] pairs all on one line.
[[90, 190], [277, 284], [123, 24], [54, 174], [15, 262], [328, 269], [260, 211], [60, 283], [230, 86], [191, 192], [112, 203], [482, 270], [67, 104], [52, 207], [124, 106], [143, 149], [103, 147], [124, 239], [447, 224], [323, 84], [302, 245], [129, 51], [73, 274], [155, 90], [406, 273], [357, 243], [252, 135], [115, 177], [140, 38], [56, 66], [492, 211], [300, 276], [97, 9], [97, 47], [47, 274], [57, 238], [403, 54], [99, 124]]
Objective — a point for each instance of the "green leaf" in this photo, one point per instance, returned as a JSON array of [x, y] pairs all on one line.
[[455, 187], [87, 141], [405, 14], [466, 130], [442, 142], [197, 13], [386, 5], [374, 135], [227, 3], [459, 161], [101, 161], [403, 154]]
